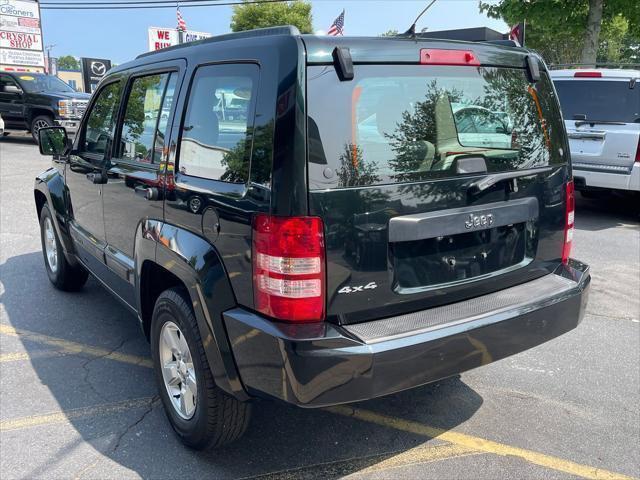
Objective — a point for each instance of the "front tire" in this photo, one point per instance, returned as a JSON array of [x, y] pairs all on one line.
[[61, 273], [201, 414], [41, 121]]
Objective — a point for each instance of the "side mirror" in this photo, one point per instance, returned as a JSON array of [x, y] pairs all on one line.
[[53, 141], [12, 89]]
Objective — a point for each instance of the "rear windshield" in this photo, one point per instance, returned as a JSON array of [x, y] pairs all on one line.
[[611, 101], [406, 123]]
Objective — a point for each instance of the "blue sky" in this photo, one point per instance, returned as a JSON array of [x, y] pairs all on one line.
[[120, 35]]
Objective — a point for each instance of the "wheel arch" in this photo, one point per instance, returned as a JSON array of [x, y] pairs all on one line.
[[39, 111], [49, 189], [167, 256]]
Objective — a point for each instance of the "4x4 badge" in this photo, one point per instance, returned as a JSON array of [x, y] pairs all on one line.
[[359, 288], [475, 221]]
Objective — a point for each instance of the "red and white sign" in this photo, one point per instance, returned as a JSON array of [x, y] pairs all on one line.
[[21, 40], [160, 38], [20, 34]]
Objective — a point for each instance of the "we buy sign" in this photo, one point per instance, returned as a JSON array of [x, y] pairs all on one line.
[[162, 38]]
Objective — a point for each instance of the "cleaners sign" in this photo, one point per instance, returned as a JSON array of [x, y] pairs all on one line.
[[160, 38], [21, 46]]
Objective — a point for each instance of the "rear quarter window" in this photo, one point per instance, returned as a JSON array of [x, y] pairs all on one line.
[[216, 135], [395, 124]]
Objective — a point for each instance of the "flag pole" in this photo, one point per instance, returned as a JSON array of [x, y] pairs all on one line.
[[180, 32]]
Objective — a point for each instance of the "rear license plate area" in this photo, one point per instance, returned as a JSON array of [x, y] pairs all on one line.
[[450, 259], [442, 248]]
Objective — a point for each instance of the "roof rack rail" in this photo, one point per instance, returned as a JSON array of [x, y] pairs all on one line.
[[258, 32], [505, 43], [555, 66]]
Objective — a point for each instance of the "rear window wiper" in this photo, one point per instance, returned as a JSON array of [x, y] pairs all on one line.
[[490, 180], [582, 120]]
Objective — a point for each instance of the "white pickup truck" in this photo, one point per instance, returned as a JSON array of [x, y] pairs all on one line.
[[601, 109]]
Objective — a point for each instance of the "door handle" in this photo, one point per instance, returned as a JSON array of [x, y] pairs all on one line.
[[97, 178]]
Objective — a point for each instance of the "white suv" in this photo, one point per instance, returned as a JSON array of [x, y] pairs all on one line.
[[601, 109]]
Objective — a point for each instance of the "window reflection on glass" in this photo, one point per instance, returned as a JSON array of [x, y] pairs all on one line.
[[142, 118], [101, 120], [398, 124], [216, 134]]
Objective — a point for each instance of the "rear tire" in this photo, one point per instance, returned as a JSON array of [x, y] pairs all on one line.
[[39, 122], [212, 418], [61, 273]]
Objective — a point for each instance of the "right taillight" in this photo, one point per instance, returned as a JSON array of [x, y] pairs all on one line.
[[289, 267], [569, 222]]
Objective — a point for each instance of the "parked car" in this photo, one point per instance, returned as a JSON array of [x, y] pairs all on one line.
[[602, 114], [31, 101], [322, 264]]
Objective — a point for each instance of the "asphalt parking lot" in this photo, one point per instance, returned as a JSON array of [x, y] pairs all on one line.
[[77, 397]]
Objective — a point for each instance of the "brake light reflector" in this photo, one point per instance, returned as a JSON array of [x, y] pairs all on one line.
[[432, 56], [588, 74], [289, 267], [569, 222]]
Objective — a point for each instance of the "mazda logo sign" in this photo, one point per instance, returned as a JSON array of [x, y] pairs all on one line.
[[98, 68]]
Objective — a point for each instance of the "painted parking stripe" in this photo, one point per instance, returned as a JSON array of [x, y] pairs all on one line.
[[74, 347], [479, 444], [21, 356], [73, 414], [372, 463], [459, 439]]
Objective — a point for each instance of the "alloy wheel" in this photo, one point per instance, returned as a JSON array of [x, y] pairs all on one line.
[[50, 247], [178, 372]]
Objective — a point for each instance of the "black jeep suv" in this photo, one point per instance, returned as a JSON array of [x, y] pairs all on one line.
[[31, 101], [318, 220]]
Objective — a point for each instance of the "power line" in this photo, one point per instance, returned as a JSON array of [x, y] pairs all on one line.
[[145, 4], [122, 2]]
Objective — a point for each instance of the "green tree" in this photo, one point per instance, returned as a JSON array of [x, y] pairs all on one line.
[[389, 33], [261, 15], [67, 62], [569, 31]]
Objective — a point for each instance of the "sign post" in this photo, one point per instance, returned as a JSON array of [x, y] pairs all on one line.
[[21, 47]]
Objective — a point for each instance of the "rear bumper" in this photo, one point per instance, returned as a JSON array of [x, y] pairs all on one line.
[[319, 365], [615, 181]]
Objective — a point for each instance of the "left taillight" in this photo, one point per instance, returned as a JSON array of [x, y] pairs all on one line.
[[569, 222], [288, 256]]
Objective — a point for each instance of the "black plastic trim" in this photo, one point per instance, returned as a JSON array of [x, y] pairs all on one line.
[[455, 221]]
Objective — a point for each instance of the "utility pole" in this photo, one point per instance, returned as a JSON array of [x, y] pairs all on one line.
[[48, 48]]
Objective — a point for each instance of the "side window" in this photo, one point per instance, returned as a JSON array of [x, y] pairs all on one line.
[[146, 116], [101, 120], [217, 129]]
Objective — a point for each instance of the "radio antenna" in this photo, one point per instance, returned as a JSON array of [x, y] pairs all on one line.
[[412, 29]]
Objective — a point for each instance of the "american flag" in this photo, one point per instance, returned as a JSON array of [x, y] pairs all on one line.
[[337, 26], [182, 25]]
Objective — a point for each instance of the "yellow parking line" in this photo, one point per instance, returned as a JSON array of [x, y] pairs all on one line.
[[371, 463], [74, 414], [480, 444], [458, 439], [20, 356], [74, 347]]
